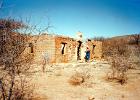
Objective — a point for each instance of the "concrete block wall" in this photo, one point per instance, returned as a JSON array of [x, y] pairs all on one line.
[[44, 48]]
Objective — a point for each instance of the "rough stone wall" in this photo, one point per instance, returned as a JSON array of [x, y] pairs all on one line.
[[69, 49], [83, 51], [97, 51]]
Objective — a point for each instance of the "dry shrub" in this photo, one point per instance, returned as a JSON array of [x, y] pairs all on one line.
[[135, 39], [118, 53], [126, 46], [78, 78], [121, 56], [115, 47], [119, 67], [13, 61], [23, 89]]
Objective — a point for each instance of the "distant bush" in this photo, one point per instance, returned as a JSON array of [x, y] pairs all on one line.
[[135, 39], [113, 47], [98, 38]]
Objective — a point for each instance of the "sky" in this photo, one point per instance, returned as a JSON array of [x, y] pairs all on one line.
[[94, 18]]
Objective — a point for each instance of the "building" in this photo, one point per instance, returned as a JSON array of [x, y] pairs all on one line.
[[61, 49]]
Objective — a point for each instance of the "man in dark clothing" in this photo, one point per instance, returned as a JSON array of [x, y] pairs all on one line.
[[87, 57]]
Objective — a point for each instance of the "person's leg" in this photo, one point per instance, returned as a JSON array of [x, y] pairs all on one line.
[[86, 58]]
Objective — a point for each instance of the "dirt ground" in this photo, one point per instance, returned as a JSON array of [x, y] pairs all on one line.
[[54, 84]]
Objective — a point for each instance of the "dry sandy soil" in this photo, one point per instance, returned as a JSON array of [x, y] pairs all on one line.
[[54, 84]]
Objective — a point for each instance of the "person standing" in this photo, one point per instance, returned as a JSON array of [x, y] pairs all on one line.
[[87, 57]]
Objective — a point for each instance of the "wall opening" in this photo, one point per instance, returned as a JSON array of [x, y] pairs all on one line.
[[31, 48], [79, 50], [93, 48], [63, 48], [89, 40]]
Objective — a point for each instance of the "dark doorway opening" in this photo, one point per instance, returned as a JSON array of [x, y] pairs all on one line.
[[79, 50], [63, 48], [31, 48], [93, 49]]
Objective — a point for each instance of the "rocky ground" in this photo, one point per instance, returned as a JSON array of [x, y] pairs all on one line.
[[54, 83]]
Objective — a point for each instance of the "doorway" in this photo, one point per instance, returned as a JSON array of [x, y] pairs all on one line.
[[31, 48], [79, 50], [63, 48], [93, 49]]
